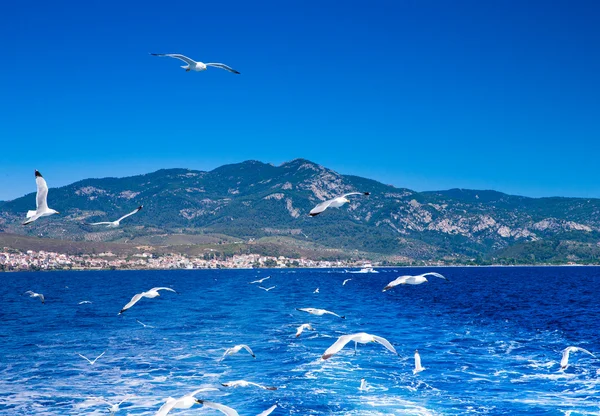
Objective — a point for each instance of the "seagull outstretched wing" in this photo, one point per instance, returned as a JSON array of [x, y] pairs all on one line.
[[176, 56], [222, 66]]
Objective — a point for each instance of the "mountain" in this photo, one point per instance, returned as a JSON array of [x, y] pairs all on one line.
[[254, 200]]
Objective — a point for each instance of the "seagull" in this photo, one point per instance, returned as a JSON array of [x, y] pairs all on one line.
[[334, 203], [411, 280], [244, 383], [236, 349], [564, 362], [261, 280], [193, 65], [90, 361], [319, 312], [316, 290], [232, 412], [363, 384], [345, 281], [152, 293], [418, 367], [41, 201], [361, 337], [267, 289], [114, 408], [184, 402], [35, 295], [115, 224], [301, 329], [83, 302], [143, 324]]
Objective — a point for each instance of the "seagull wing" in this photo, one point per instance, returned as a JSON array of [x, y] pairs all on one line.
[[167, 407], [41, 202], [356, 193], [176, 56], [163, 288], [573, 349], [96, 359], [320, 208], [101, 223], [385, 343], [261, 386], [220, 407], [85, 358], [247, 348], [222, 66], [434, 274], [396, 282], [333, 313], [337, 346], [135, 211], [268, 411], [132, 302]]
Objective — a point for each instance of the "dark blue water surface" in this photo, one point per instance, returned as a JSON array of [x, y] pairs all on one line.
[[490, 340]]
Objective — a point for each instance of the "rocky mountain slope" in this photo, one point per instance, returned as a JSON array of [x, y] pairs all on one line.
[[251, 200]]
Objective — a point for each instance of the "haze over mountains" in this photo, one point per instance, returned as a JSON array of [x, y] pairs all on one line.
[[255, 201]]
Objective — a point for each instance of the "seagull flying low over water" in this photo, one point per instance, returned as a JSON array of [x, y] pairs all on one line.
[[361, 337], [260, 280], [345, 281], [418, 368], [564, 362], [244, 383], [316, 290], [363, 384], [152, 293], [115, 224], [229, 411], [193, 65], [236, 349], [35, 295], [266, 289], [411, 280], [301, 329], [84, 302], [334, 203], [114, 408], [319, 312], [184, 402], [41, 201], [90, 361]]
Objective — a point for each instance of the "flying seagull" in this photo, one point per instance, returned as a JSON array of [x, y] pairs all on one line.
[[334, 203], [152, 293], [41, 201], [418, 368], [301, 329], [361, 337], [236, 349], [244, 383], [35, 295], [184, 402], [83, 302], [193, 65], [363, 384], [316, 290], [229, 411], [115, 224], [411, 280], [266, 289], [345, 281], [90, 361], [143, 324], [261, 280], [319, 312], [564, 362], [114, 408]]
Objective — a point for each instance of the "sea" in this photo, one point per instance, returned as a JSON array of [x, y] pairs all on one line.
[[490, 339]]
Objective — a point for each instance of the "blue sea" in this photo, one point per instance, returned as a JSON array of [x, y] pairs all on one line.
[[490, 340]]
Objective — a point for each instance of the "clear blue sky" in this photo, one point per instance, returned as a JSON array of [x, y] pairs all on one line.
[[421, 94]]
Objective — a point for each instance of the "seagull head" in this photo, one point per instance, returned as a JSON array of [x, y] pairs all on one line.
[[198, 401]]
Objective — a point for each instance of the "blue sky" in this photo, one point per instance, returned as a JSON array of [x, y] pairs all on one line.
[[420, 94]]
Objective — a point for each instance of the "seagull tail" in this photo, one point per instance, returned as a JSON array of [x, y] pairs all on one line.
[[185, 66]]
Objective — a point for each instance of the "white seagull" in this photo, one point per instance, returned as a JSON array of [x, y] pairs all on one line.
[[411, 280], [115, 224], [152, 293], [235, 349], [564, 362], [193, 65], [363, 384], [41, 201], [345, 281], [244, 383], [319, 312], [334, 203], [184, 402], [266, 289], [83, 302], [143, 324], [301, 329], [316, 290], [232, 412], [260, 280], [113, 408], [35, 295], [361, 337], [90, 361], [418, 368]]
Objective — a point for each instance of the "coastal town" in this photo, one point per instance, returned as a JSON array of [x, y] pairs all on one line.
[[14, 260]]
